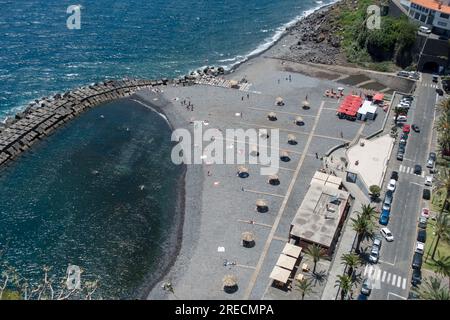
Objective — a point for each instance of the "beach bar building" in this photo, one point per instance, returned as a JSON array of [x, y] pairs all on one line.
[[368, 111], [349, 107], [320, 217]]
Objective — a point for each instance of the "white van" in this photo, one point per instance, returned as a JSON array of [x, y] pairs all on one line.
[[425, 30]]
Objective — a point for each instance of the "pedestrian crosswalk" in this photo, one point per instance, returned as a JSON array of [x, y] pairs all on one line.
[[430, 85], [409, 170], [379, 276], [225, 83]]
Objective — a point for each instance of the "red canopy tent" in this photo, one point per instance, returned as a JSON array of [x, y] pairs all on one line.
[[378, 97], [350, 105]]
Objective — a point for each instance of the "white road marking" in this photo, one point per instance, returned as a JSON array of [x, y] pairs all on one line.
[[389, 277], [391, 293], [399, 281], [394, 277], [404, 284], [378, 275], [384, 276]]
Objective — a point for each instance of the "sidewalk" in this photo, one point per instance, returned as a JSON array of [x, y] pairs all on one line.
[[347, 239]]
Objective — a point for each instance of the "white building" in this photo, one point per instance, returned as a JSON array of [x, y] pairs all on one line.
[[434, 14]]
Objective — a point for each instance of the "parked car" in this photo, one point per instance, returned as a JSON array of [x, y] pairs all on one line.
[[366, 288], [374, 254], [403, 74], [388, 197], [432, 155], [377, 241], [426, 194], [424, 29], [400, 156], [391, 185], [384, 218], [361, 297], [422, 223], [420, 247], [386, 207], [425, 213], [406, 128], [417, 261], [402, 142], [401, 118], [416, 278], [429, 181], [435, 78], [418, 169], [386, 233], [404, 136], [415, 127], [440, 92], [422, 235], [394, 175]]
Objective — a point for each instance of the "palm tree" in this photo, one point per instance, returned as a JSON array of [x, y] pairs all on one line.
[[352, 260], [367, 211], [444, 105], [441, 230], [442, 266], [315, 252], [363, 228], [432, 289], [345, 282], [305, 286]]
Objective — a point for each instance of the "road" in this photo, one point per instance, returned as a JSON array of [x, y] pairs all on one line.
[[392, 274]]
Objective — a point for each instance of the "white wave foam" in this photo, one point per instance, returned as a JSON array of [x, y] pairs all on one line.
[[269, 42], [153, 109]]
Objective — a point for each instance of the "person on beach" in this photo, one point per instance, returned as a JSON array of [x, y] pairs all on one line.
[[248, 96], [242, 98]]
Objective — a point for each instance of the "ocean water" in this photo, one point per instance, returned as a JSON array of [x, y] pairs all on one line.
[[153, 38], [100, 194], [77, 198]]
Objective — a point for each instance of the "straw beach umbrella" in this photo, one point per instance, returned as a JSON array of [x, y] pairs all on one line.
[[230, 283], [254, 152], [299, 121], [285, 156], [305, 104], [279, 101], [292, 139], [262, 206], [234, 84], [272, 116], [248, 239], [243, 172], [274, 180]]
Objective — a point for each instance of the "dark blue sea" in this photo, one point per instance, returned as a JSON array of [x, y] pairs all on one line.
[[77, 197]]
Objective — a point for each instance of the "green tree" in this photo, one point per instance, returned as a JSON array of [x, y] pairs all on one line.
[[367, 212], [374, 191], [351, 260], [345, 282], [363, 228], [316, 253], [441, 230], [442, 266], [432, 289], [305, 287]]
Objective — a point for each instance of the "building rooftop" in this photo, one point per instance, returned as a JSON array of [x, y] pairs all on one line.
[[368, 107], [318, 216], [369, 159], [433, 5]]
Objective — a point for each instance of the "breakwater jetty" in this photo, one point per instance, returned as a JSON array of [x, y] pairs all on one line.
[[42, 117]]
